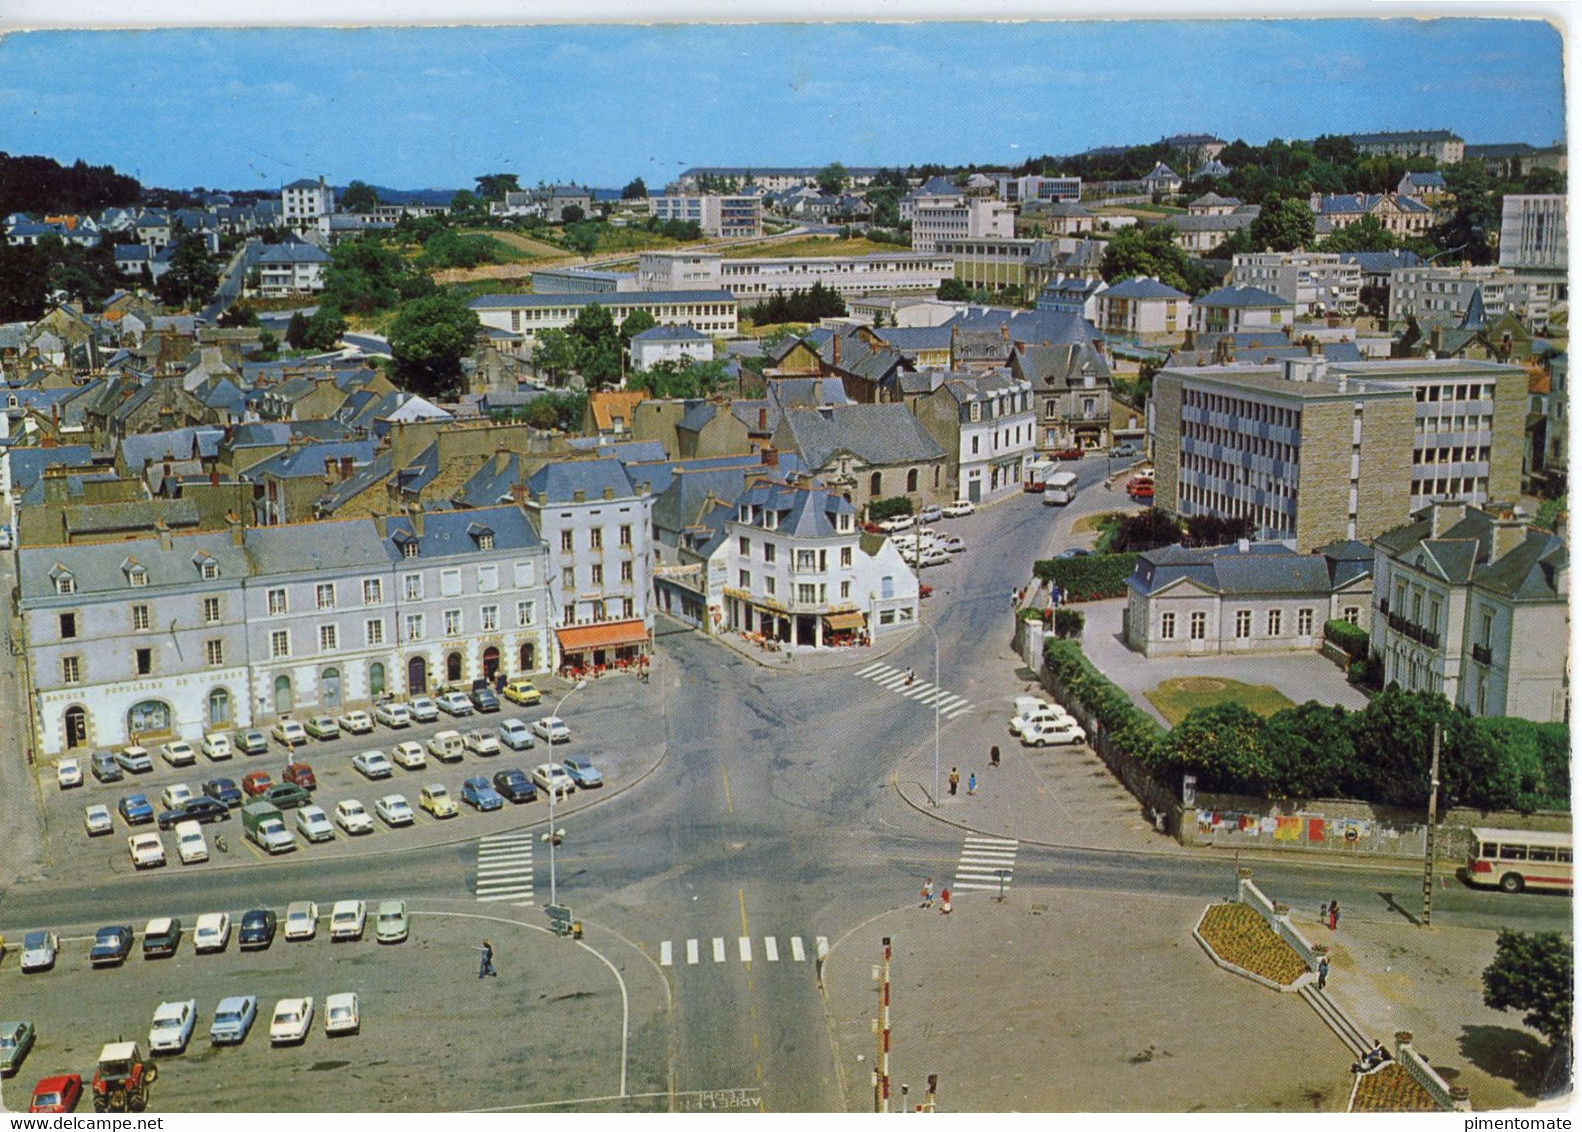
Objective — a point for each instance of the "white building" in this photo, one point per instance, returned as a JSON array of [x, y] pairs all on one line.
[[1444, 293], [722, 217], [1034, 187], [754, 277], [1239, 310], [670, 344], [1140, 306], [306, 206], [1533, 233], [286, 269], [986, 425], [1316, 282], [525, 316], [964, 219]]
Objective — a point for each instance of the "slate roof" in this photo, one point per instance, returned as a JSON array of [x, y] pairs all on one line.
[[98, 567], [448, 533], [1060, 367], [806, 392], [308, 461], [1241, 297], [1263, 568], [669, 332], [177, 444], [559, 481], [1052, 327], [878, 434], [1344, 204], [938, 186], [803, 512], [1529, 571], [1376, 263], [1434, 180], [292, 253], [1213, 200], [1140, 287], [1162, 172], [1403, 136], [374, 472], [28, 464]]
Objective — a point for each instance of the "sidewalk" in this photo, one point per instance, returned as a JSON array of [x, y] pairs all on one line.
[[806, 658]]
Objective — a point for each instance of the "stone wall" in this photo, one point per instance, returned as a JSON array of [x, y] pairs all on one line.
[[1447, 1096], [1279, 922]]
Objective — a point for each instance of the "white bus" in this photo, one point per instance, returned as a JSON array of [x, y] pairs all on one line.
[[1038, 474], [1514, 860], [1060, 488]]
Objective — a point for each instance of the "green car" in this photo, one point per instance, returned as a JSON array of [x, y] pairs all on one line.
[[286, 796], [16, 1038]]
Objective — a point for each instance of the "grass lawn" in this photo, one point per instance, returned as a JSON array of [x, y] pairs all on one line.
[[515, 246], [813, 245], [1174, 698]]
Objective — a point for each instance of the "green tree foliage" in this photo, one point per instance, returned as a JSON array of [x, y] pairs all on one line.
[[670, 378], [683, 231], [42, 185], [1128, 728], [297, 331], [889, 508], [635, 324], [635, 190], [561, 411], [466, 206], [832, 178], [366, 276], [494, 186], [1353, 639], [1365, 235], [1392, 736], [571, 214], [449, 248], [598, 345], [268, 347], [1532, 972], [1283, 225], [24, 283], [1473, 226], [359, 197], [953, 291], [581, 236], [811, 305], [191, 277], [1090, 578], [323, 331], [1309, 753], [1214, 530], [1223, 745], [1146, 530], [428, 340], [87, 276], [239, 314], [1151, 251], [554, 354]]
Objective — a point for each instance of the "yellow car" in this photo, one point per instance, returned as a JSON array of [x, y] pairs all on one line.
[[522, 692], [437, 801]]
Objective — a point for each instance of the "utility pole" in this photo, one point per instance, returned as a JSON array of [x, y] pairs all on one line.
[[881, 1028], [1428, 836]]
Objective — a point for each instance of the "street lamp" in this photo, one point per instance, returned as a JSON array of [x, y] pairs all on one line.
[[554, 835], [937, 698]]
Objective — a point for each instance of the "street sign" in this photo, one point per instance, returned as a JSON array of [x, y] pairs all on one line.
[[559, 918]]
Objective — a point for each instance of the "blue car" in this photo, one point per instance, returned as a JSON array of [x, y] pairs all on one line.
[[111, 946], [515, 785], [136, 809], [581, 771], [233, 1018], [478, 794], [223, 790]]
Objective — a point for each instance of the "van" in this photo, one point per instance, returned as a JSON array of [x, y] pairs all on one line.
[[447, 746], [190, 845]]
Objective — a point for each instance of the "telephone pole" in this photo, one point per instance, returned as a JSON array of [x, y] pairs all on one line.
[[881, 1028], [1428, 836]]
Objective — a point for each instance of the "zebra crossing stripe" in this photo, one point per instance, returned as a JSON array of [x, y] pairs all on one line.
[[498, 896], [798, 955], [917, 691], [893, 681], [821, 945], [507, 839], [771, 949], [872, 668], [948, 702], [1003, 842], [664, 954], [958, 713], [744, 944], [518, 869], [995, 887], [692, 953], [719, 949]]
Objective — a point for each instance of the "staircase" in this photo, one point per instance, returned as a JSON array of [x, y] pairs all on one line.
[[1336, 1019]]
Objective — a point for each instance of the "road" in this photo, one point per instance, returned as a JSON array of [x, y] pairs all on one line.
[[229, 289]]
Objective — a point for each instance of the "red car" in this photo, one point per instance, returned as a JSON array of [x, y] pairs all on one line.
[[1142, 491], [57, 1094], [1066, 454], [256, 783], [302, 775]]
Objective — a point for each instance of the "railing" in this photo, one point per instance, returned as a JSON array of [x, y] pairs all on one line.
[[1482, 654], [1413, 631]]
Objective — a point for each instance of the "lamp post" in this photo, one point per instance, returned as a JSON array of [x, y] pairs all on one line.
[[554, 835], [937, 698]]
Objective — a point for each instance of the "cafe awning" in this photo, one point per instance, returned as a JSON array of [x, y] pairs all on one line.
[[603, 635], [842, 621]]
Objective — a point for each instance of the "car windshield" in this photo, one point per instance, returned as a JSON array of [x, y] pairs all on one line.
[[7, 1041], [114, 1068], [341, 1012], [390, 917], [35, 940], [229, 1016], [49, 1098], [167, 1023], [286, 1016]]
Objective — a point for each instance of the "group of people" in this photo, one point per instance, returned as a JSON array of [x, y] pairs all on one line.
[[1371, 1060], [972, 780], [928, 897], [1330, 914]]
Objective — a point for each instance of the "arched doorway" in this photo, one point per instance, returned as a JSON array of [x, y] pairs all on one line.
[[491, 662], [911, 479], [416, 676], [282, 694], [330, 688], [528, 658], [76, 726], [453, 668], [150, 715], [376, 680], [219, 708]]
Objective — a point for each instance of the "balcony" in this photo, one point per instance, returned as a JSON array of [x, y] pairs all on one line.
[[1422, 636], [1482, 654]]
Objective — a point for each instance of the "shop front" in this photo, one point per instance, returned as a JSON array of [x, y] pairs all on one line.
[[592, 650]]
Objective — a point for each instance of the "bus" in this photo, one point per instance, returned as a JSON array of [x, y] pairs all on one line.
[[1060, 488], [1513, 860], [1037, 475]]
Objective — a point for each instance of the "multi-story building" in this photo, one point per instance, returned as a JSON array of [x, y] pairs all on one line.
[[962, 219], [936, 192], [1020, 267], [1533, 233], [757, 276], [287, 269], [1314, 452], [1401, 216], [1071, 390], [774, 178], [1443, 146], [1143, 306], [1076, 295], [525, 316], [1474, 604], [718, 216], [680, 344], [1316, 282], [1033, 187], [306, 206], [985, 424], [1241, 310], [1429, 292]]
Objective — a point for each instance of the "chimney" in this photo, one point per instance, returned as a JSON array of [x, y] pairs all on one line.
[[1509, 531], [415, 515], [1243, 546], [1005, 332], [835, 346], [164, 534], [1436, 339], [763, 418], [214, 477], [771, 458], [519, 494], [234, 525]]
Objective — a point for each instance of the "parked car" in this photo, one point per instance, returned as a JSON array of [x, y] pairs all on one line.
[[481, 741], [342, 1014], [437, 800], [233, 1020], [301, 774], [372, 765], [552, 729], [447, 746], [60, 1093], [515, 734], [68, 773], [39, 949], [16, 1039], [1141, 491], [147, 850], [172, 1026], [581, 770], [257, 931], [356, 723], [930, 514], [454, 703], [1125, 451], [1074, 552], [212, 932], [1054, 732], [347, 920], [292, 1020], [423, 710], [136, 809], [899, 523], [105, 767], [97, 819], [478, 794], [522, 692], [391, 923], [286, 796], [410, 755], [515, 785], [302, 920], [393, 714], [953, 544], [959, 508], [217, 746], [485, 700], [224, 791], [178, 752], [111, 946], [256, 782], [190, 844], [135, 760], [394, 810], [322, 727], [289, 732], [175, 794], [350, 816], [550, 776], [199, 809], [314, 824], [251, 742], [1066, 454], [161, 937]]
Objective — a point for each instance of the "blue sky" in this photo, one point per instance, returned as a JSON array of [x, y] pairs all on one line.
[[435, 107]]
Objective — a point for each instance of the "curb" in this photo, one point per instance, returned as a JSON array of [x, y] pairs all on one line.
[[1294, 988]]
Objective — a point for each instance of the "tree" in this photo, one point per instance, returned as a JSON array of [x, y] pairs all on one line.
[[563, 411], [571, 214], [1365, 235], [953, 291], [323, 331], [24, 283], [297, 331], [1146, 530], [581, 236], [555, 354], [240, 314], [635, 190], [465, 206], [1147, 251], [1283, 225], [1392, 736], [1474, 222], [1309, 752], [494, 186], [636, 322], [832, 178], [428, 340], [1222, 744], [1214, 530], [268, 347], [191, 277], [1532, 972], [359, 197]]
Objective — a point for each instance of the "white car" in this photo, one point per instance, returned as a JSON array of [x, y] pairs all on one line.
[[959, 508], [39, 950], [347, 920], [212, 932], [953, 544], [69, 773], [356, 722], [899, 523], [393, 810], [393, 714], [552, 776], [147, 850], [302, 920], [552, 729], [373, 765], [351, 817], [178, 752], [1052, 732], [929, 514], [423, 710], [291, 1022], [190, 845], [175, 794], [410, 755], [515, 734], [97, 819], [933, 556], [482, 742], [289, 732], [1043, 713], [342, 1014], [314, 824], [217, 746], [454, 703], [172, 1028]]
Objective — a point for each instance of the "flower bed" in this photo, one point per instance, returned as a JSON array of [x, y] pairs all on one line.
[[1391, 1089], [1240, 936]]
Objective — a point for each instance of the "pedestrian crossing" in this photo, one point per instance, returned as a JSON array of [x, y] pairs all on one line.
[[980, 861], [748, 949], [505, 869], [919, 691]]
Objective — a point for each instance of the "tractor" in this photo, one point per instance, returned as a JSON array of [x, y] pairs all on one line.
[[122, 1081]]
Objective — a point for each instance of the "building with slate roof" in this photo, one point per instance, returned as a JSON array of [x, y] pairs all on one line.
[[1071, 387], [1249, 597], [1140, 306], [672, 343], [1162, 179], [288, 269], [1402, 216], [867, 452], [1428, 292], [1474, 603], [1236, 309], [1016, 268], [1426, 187], [1073, 295], [1442, 145], [959, 218], [1508, 161], [1205, 232], [984, 422]]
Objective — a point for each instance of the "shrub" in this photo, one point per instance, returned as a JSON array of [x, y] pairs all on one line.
[[1068, 622], [881, 509], [1089, 578], [1129, 728], [1352, 639]]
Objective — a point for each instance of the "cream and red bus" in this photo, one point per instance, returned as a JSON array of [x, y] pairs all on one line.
[[1514, 860]]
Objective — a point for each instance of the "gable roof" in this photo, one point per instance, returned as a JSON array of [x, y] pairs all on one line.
[[879, 434], [1241, 297], [1143, 287]]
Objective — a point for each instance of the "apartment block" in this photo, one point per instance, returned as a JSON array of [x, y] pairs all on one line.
[[723, 217], [306, 205], [966, 219], [754, 277], [1316, 282], [1445, 293], [1533, 233], [525, 316], [1022, 267]]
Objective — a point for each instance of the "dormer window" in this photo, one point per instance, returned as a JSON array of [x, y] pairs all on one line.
[[408, 542], [208, 568], [771, 520], [136, 573], [486, 542], [64, 582], [482, 535], [409, 549], [746, 515]]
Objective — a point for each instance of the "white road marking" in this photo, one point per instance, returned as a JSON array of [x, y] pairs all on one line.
[[498, 896], [771, 949], [665, 956], [505, 871], [821, 944], [870, 669], [744, 944], [797, 953], [692, 952], [719, 949]]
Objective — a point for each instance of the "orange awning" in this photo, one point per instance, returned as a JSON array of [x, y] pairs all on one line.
[[604, 635], [840, 621]]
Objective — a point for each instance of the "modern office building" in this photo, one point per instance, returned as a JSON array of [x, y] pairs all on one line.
[[722, 217], [961, 219], [754, 277], [1533, 233], [524, 316]]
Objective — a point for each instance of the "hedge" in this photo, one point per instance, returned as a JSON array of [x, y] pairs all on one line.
[[1129, 728], [1352, 639], [1088, 578], [1069, 622], [881, 509]]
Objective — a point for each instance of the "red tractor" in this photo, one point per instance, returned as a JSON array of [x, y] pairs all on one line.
[[122, 1082]]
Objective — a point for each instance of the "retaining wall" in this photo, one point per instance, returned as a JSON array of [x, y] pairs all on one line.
[[1280, 922]]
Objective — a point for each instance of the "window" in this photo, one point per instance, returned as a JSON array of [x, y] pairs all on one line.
[[210, 569], [807, 593], [453, 622], [769, 552], [626, 534], [974, 445], [524, 613], [140, 618], [744, 579], [628, 607], [65, 584], [211, 611], [769, 584], [1350, 613], [70, 670], [280, 643], [449, 583], [486, 541], [324, 596], [626, 571], [911, 479], [413, 584], [744, 546], [137, 576], [845, 556], [489, 618], [523, 572], [565, 540], [214, 653], [488, 579], [568, 578], [68, 626], [145, 661], [596, 538], [1167, 626], [373, 591], [1243, 623], [329, 638], [409, 549], [373, 632], [845, 591], [1274, 622], [1304, 622], [597, 571], [277, 602], [875, 485], [414, 626], [1199, 626]]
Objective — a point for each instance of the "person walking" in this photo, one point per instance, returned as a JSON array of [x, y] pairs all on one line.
[[911, 675], [944, 902], [486, 960], [994, 755], [972, 783], [1323, 971], [1334, 914], [928, 893], [955, 781]]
